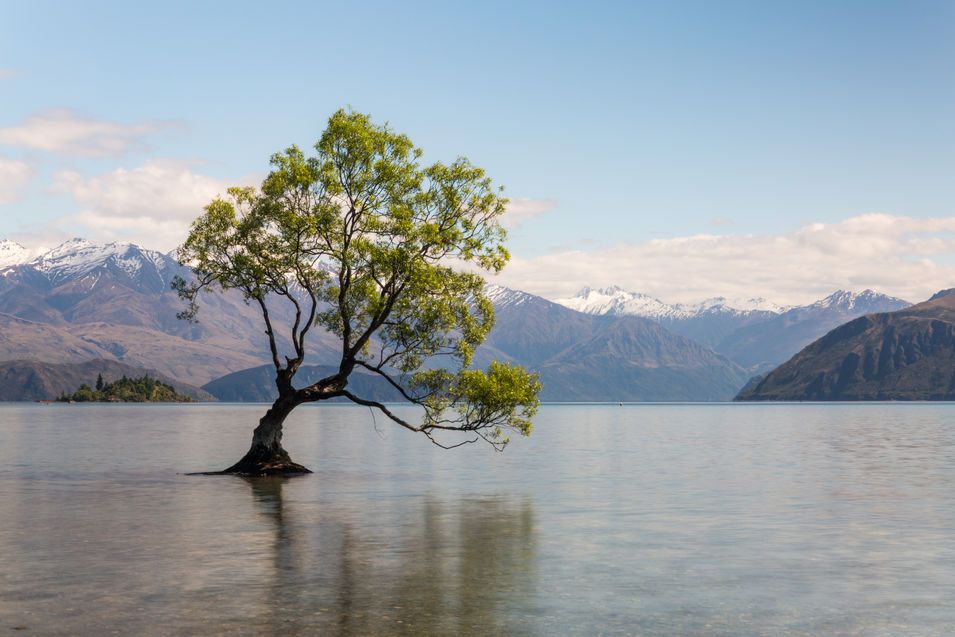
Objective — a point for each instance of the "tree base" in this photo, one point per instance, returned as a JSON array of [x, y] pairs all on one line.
[[261, 461], [259, 471]]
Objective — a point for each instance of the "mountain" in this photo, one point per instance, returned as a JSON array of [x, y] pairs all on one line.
[[31, 380], [617, 301], [754, 333], [22, 339], [764, 345], [902, 355], [580, 357], [82, 300], [632, 359], [707, 322], [592, 357]]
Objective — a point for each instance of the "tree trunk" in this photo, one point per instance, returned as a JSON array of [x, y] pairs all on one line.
[[266, 457]]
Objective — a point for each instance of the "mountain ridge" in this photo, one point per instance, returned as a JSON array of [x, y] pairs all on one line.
[[749, 332], [618, 301], [112, 301], [761, 346], [908, 354]]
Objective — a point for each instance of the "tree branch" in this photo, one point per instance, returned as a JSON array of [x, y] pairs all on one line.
[[390, 380], [270, 332]]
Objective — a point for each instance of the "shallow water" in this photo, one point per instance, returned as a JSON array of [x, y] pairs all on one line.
[[609, 520]]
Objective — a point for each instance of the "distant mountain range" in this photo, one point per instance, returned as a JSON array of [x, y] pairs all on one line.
[[903, 355], [754, 333], [587, 357], [614, 300], [761, 346], [82, 301]]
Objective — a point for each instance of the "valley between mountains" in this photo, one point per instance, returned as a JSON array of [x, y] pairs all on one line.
[[110, 307]]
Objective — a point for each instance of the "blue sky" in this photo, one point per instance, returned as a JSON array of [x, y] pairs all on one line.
[[631, 129]]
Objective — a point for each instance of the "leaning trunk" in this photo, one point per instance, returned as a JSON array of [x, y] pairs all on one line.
[[266, 456]]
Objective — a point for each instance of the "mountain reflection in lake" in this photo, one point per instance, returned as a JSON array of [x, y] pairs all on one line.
[[634, 520]]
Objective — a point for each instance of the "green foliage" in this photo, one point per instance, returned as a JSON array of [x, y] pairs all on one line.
[[126, 390], [365, 241]]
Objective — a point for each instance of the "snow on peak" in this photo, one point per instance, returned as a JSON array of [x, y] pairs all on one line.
[[721, 303], [867, 300], [617, 301], [501, 296], [77, 257], [12, 253], [837, 298]]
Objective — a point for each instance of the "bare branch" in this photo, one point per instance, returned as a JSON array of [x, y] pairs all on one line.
[[460, 444], [391, 381], [382, 408], [270, 332]]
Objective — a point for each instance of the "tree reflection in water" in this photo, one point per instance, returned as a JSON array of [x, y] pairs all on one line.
[[427, 567]]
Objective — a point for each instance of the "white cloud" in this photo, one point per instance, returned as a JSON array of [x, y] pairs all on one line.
[[14, 174], [903, 256], [520, 210], [66, 131], [152, 205], [6, 74]]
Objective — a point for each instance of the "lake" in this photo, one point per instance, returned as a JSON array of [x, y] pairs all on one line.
[[748, 519]]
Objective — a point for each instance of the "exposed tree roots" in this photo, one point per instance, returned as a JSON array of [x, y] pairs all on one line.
[[262, 461]]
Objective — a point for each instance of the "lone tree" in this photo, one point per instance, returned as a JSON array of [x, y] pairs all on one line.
[[364, 241]]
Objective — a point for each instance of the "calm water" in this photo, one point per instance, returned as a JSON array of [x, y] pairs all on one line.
[[634, 520]]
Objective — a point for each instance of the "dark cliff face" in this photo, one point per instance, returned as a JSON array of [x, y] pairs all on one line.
[[904, 355]]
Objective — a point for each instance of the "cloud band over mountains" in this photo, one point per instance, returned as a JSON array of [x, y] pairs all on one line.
[[903, 256]]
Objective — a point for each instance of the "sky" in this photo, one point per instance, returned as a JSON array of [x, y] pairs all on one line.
[[680, 149]]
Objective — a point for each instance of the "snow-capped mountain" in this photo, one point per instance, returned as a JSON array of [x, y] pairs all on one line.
[[12, 253], [866, 302], [763, 345], [900, 355], [755, 333], [83, 300], [501, 296], [601, 357], [739, 305], [706, 322], [615, 300], [78, 257]]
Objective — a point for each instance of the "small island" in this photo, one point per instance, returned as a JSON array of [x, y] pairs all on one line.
[[126, 390]]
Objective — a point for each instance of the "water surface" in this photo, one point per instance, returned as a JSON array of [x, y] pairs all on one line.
[[609, 520]]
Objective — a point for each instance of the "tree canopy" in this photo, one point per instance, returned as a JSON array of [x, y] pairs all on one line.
[[365, 241]]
